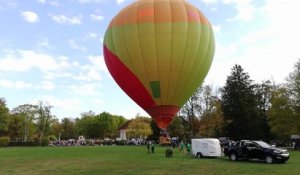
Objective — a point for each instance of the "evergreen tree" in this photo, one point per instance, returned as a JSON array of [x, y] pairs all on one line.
[[240, 107]]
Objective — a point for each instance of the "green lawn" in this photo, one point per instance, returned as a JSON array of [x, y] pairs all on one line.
[[129, 160]]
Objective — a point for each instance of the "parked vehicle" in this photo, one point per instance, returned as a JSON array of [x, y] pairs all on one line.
[[252, 149], [206, 147]]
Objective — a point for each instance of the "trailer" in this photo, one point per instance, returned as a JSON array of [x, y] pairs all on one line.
[[206, 147]]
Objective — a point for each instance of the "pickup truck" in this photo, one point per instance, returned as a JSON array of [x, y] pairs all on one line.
[[252, 149]]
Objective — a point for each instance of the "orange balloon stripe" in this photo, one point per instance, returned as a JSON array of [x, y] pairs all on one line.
[[147, 15]]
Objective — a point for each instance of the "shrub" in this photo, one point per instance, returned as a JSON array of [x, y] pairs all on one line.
[[4, 141], [45, 142], [169, 153], [52, 138], [23, 144]]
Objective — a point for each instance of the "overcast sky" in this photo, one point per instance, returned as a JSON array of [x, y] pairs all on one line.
[[51, 50]]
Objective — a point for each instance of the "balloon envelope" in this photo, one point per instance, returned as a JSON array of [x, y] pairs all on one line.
[[159, 52]]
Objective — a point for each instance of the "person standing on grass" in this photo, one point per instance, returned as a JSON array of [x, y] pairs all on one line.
[[148, 146], [188, 148], [152, 147], [181, 146]]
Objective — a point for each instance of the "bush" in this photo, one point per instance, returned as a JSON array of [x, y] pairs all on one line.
[[169, 153], [4, 141], [52, 138], [23, 144], [45, 142]]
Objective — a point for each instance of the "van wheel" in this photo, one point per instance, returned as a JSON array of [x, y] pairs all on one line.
[[199, 155], [269, 159], [233, 157]]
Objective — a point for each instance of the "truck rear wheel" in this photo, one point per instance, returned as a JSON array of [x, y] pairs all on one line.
[[199, 155]]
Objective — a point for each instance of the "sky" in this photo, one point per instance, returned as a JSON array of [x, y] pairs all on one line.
[[51, 50]]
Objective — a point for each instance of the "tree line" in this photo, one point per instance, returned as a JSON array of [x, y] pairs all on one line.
[[241, 109]]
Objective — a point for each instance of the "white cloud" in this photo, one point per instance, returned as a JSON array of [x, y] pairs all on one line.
[[15, 84], [85, 89], [120, 1], [62, 19], [268, 51], [98, 62], [93, 70], [30, 16], [7, 5], [43, 43], [75, 46], [245, 9], [24, 60], [217, 28], [92, 35], [210, 1], [63, 103], [42, 1], [96, 17], [91, 1], [46, 85]]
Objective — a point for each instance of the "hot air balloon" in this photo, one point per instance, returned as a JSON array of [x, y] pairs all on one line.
[[159, 52]]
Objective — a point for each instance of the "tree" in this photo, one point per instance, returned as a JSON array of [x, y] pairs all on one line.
[[4, 117], [56, 129], [212, 122], [109, 124], [67, 129], [89, 126], [190, 113], [139, 128], [29, 112], [176, 128], [281, 116], [155, 131], [15, 127], [263, 94], [293, 86], [44, 119], [240, 107]]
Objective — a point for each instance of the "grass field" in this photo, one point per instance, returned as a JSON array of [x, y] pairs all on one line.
[[129, 160]]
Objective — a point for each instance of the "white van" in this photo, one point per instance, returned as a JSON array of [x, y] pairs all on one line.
[[206, 147]]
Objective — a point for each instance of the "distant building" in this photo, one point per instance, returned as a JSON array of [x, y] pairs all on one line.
[[123, 129]]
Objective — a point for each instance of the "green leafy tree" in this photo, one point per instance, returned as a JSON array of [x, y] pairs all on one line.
[[15, 127], [281, 115], [212, 122], [263, 93], [155, 131], [29, 114], [4, 117], [176, 128], [67, 129], [190, 114], [293, 86], [56, 129], [43, 120], [240, 107], [88, 126]]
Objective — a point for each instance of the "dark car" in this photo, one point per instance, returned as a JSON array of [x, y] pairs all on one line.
[[251, 149]]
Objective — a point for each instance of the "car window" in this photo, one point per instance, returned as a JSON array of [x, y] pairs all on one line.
[[252, 145], [263, 144]]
